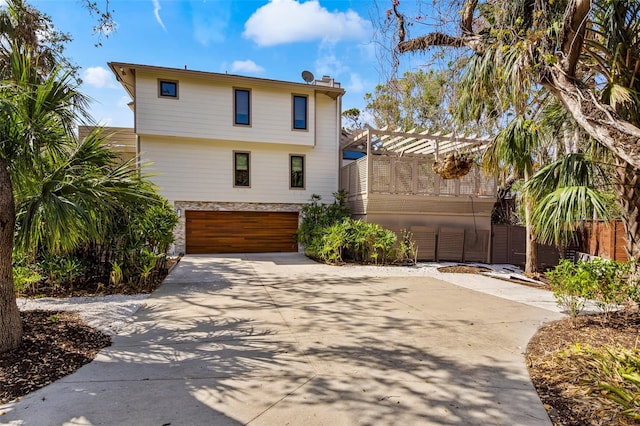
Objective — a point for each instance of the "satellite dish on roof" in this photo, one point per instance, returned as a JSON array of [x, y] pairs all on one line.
[[307, 76]]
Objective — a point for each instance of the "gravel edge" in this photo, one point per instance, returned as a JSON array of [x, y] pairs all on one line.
[[109, 314]]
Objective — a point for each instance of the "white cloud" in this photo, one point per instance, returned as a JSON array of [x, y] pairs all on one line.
[[289, 21], [98, 77], [156, 13], [247, 66]]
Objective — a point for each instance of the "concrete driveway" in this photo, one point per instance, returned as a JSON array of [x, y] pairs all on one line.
[[280, 340]]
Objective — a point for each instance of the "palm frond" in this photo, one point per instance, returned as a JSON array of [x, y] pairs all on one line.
[[514, 147], [572, 170], [558, 214]]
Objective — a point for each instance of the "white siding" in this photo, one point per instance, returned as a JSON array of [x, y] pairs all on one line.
[[204, 110], [202, 170], [323, 163]]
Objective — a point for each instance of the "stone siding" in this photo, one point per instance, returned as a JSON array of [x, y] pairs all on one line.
[[180, 230]]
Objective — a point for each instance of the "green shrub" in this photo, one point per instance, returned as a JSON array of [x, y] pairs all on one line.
[[25, 279], [383, 246], [115, 277], [330, 235], [406, 252], [334, 240], [63, 271], [605, 282], [316, 217], [130, 256]]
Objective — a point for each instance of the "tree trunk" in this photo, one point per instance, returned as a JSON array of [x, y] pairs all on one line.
[[531, 262], [628, 188], [10, 323]]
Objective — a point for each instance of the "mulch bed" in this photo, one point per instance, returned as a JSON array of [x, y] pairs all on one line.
[[54, 345], [550, 374]]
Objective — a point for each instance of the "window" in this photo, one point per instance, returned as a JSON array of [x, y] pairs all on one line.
[[168, 89], [299, 112], [242, 107], [296, 167], [241, 165]]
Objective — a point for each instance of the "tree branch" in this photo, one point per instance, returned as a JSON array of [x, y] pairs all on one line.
[[466, 22], [429, 40], [600, 121], [467, 39], [572, 37]]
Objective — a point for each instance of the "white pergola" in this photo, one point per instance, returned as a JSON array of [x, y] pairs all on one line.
[[381, 141]]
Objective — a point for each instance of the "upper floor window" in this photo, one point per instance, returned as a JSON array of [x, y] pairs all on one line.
[[299, 112], [241, 165], [242, 107], [168, 89], [296, 167]]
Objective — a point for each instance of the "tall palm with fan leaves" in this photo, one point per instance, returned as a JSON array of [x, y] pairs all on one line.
[[63, 192], [573, 188], [76, 196], [56, 193], [513, 150]]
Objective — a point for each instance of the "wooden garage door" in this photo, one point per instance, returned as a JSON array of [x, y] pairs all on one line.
[[240, 232]]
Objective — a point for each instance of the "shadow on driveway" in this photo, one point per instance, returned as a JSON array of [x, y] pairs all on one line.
[[281, 340]]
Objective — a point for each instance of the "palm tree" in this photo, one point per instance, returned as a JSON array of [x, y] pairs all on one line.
[[613, 50], [37, 113], [514, 148], [75, 195], [568, 192]]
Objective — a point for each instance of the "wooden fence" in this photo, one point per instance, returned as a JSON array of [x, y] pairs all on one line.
[[508, 245], [606, 240], [602, 239]]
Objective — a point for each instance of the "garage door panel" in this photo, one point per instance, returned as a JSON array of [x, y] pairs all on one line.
[[240, 232]]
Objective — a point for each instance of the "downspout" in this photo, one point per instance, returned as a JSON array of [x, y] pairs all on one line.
[[338, 134], [367, 193], [315, 118], [138, 153]]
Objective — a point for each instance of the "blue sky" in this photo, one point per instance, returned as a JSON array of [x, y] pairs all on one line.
[[275, 39]]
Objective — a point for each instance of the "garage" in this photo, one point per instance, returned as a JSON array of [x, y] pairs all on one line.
[[240, 232]]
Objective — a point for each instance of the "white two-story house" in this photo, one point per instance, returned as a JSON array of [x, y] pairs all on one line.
[[236, 156]]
